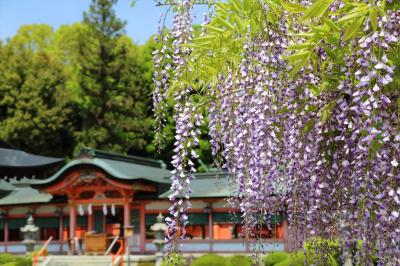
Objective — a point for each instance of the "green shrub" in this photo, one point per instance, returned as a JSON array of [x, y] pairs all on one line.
[[174, 260], [147, 264], [24, 262], [287, 262], [275, 257], [299, 259], [321, 246], [372, 256], [294, 259], [320, 243], [238, 260], [209, 260], [6, 257], [11, 263], [19, 262], [319, 259]]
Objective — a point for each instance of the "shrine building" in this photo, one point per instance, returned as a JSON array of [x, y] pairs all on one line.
[[117, 196]]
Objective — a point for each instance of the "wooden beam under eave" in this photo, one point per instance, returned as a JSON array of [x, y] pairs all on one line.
[[144, 187], [60, 187]]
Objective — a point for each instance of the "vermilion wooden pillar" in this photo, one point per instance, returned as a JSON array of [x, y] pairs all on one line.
[[127, 222], [90, 222], [142, 229], [60, 231], [210, 229], [6, 232], [72, 225], [285, 228]]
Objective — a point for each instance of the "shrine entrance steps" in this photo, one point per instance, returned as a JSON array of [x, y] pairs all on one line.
[[59, 260]]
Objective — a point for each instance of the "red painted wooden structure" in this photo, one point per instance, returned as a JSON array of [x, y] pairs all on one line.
[[96, 189], [137, 188]]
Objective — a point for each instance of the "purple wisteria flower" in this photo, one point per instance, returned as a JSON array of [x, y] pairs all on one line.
[[329, 160]]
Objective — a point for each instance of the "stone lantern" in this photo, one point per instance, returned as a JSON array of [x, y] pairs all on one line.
[[30, 232], [159, 229]]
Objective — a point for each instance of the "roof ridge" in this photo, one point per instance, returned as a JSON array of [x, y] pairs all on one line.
[[95, 153], [211, 175]]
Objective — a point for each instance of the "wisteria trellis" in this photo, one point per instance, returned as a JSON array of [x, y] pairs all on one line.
[[302, 109]]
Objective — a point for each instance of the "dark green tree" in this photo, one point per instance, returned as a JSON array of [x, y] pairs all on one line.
[[115, 106]]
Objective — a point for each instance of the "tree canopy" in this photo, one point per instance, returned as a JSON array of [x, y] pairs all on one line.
[[115, 107], [34, 107], [85, 84]]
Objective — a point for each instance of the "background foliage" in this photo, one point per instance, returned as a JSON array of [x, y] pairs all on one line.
[[84, 84]]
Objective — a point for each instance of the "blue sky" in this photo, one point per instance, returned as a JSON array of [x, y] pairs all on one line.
[[142, 19]]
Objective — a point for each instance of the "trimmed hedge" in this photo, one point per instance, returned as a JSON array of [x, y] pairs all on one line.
[[12, 260], [210, 260], [6, 257], [275, 258], [20, 262], [174, 260], [238, 260], [294, 259], [318, 246], [297, 259]]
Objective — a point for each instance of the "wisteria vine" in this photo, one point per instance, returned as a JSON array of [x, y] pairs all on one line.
[[306, 127]]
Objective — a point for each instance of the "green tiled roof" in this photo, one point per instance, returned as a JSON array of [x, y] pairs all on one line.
[[125, 168], [5, 186], [204, 186], [16, 158], [208, 185], [23, 195], [118, 166]]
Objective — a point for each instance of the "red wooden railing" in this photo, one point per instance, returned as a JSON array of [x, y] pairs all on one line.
[[118, 256], [42, 251]]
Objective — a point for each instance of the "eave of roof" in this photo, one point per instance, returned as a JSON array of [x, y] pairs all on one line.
[[5, 186], [11, 158], [207, 185], [125, 168], [120, 157], [25, 195]]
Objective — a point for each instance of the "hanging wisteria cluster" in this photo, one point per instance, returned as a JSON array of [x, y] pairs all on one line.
[[174, 59], [306, 127]]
